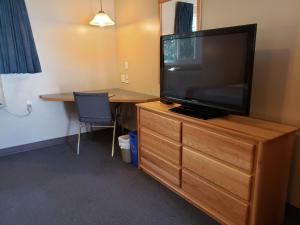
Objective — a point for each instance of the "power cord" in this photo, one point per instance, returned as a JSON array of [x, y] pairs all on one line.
[[28, 108], [4, 108]]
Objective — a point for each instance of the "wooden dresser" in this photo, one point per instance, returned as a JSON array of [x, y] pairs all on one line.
[[235, 169]]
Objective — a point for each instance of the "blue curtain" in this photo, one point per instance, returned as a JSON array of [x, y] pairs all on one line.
[[184, 18], [18, 53]]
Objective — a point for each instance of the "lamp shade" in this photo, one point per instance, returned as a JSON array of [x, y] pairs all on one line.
[[102, 19]]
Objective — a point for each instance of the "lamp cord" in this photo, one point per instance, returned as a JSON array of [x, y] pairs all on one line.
[[100, 2]]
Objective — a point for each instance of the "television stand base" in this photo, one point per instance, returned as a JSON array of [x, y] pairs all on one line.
[[199, 112]]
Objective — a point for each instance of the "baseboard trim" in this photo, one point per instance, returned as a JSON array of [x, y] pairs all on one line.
[[39, 145]]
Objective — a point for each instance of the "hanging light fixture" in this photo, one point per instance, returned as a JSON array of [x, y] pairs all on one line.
[[102, 19]]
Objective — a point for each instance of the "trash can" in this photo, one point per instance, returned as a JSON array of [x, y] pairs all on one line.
[[124, 143], [134, 147]]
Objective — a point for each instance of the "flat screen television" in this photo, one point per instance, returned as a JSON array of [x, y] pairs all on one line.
[[209, 72]]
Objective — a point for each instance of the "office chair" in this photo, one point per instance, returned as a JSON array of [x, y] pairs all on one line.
[[94, 109]]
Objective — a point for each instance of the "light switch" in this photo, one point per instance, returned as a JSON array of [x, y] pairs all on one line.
[[126, 65]]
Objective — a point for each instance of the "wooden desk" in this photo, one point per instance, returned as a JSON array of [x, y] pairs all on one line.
[[119, 96]]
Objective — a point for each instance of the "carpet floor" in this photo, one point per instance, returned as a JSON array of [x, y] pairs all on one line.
[[53, 186]]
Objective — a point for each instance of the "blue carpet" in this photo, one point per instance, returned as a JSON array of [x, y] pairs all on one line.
[[53, 186]]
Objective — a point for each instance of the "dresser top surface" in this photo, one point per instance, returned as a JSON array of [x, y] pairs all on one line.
[[260, 130]]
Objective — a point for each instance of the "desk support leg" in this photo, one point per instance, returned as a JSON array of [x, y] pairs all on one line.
[[117, 111], [114, 137], [78, 141]]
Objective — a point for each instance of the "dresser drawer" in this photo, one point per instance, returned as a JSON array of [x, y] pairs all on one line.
[[162, 168], [168, 127], [232, 150], [162, 147], [231, 179], [220, 204]]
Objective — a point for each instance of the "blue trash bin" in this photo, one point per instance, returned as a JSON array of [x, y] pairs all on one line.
[[134, 147]]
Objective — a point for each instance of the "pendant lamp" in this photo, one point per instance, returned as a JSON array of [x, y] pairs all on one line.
[[101, 18]]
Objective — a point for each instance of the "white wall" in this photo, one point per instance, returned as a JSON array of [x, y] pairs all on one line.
[[73, 55], [138, 43]]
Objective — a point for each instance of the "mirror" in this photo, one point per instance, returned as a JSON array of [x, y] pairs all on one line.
[[180, 13]]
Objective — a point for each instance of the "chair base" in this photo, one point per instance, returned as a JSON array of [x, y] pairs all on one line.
[[82, 125]]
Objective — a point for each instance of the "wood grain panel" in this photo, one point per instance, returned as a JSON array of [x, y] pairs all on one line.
[[234, 168], [263, 124], [161, 171], [234, 151], [115, 95], [170, 128], [163, 164], [242, 128], [219, 203], [231, 179], [273, 170], [163, 147]]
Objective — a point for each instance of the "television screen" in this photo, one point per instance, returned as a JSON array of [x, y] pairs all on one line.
[[211, 68]]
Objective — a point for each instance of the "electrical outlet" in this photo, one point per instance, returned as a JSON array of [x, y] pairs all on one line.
[[126, 79], [29, 106], [123, 78], [29, 103]]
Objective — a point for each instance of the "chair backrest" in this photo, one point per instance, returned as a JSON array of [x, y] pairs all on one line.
[[93, 107]]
